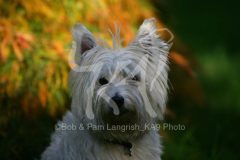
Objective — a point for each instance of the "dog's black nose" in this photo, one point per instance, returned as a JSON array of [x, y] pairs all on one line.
[[119, 100]]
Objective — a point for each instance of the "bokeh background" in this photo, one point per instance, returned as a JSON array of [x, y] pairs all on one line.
[[35, 42]]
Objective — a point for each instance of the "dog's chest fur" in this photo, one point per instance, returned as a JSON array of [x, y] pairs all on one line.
[[80, 145]]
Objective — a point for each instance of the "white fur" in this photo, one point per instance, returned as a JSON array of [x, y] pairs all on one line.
[[80, 145]]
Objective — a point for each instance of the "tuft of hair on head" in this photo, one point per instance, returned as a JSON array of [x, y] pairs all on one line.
[[116, 38]]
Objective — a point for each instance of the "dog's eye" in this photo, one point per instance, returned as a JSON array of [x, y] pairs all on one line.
[[135, 78], [102, 81]]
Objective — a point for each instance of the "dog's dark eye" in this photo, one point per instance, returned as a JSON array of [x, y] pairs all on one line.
[[102, 81], [135, 78]]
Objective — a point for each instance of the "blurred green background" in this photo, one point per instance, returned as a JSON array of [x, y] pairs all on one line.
[[35, 41]]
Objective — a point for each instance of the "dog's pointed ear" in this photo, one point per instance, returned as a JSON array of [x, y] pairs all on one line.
[[156, 49], [84, 40], [148, 38]]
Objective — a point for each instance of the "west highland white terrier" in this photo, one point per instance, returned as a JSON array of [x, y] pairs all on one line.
[[118, 94]]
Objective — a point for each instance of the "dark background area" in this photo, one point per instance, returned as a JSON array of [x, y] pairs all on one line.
[[210, 30]]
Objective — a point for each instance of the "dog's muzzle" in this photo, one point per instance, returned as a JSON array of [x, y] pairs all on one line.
[[119, 101]]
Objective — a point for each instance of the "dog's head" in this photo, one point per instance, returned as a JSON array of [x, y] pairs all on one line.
[[120, 86]]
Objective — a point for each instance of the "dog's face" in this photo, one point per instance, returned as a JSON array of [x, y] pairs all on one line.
[[120, 86], [117, 98]]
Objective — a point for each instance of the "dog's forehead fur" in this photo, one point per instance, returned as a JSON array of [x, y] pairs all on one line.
[[113, 60]]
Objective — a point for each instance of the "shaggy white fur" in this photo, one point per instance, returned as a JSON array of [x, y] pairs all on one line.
[[80, 145], [114, 87]]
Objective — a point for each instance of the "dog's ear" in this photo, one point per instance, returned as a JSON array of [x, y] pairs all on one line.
[[83, 39], [148, 38]]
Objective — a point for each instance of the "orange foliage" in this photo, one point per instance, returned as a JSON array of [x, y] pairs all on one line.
[[35, 42]]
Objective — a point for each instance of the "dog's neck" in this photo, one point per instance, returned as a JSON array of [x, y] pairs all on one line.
[[127, 146]]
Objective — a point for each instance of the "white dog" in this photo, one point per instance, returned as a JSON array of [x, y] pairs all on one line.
[[117, 96]]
